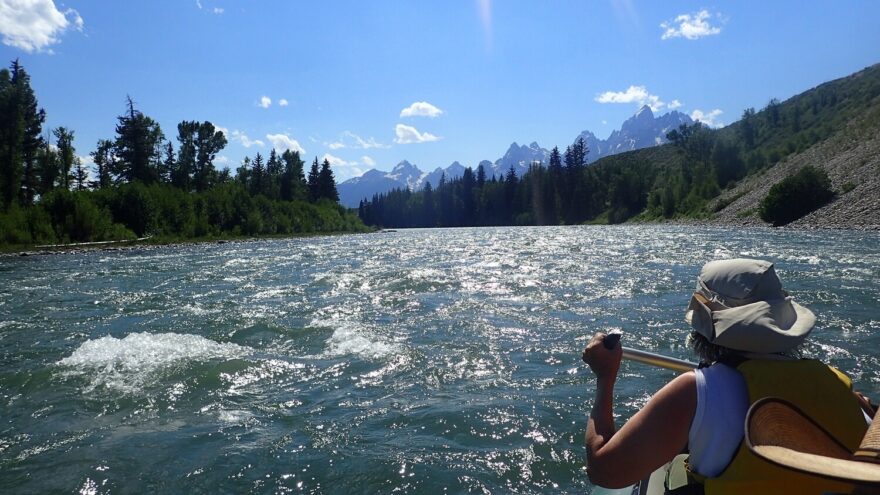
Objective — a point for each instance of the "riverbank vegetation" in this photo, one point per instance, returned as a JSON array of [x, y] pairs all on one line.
[[673, 181], [142, 185]]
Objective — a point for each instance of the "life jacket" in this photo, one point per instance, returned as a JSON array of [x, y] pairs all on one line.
[[823, 393]]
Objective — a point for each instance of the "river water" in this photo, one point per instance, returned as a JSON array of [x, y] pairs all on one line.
[[423, 361]]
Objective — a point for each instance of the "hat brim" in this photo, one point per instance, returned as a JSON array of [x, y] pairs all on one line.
[[780, 433], [761, 327]]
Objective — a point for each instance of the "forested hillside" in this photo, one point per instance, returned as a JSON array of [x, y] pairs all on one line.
[[682, 179], [143, 185]]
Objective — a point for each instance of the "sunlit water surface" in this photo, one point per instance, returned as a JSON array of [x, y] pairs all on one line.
[[425, 361]]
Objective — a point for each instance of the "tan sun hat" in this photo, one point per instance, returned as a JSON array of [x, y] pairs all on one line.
[[740, 304], [782, 434]]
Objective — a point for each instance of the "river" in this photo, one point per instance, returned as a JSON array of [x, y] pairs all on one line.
[[422, 361]]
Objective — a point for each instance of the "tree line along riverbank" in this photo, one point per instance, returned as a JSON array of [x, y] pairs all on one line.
[[143, 185], [810, 161]]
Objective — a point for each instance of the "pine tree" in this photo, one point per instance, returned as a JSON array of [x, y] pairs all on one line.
[[80, 175], [327, 183], [168, 170], [258, 175], [66, 155], [293, 182], [104, 163], [314, 191], [21, 124], [137, 146]]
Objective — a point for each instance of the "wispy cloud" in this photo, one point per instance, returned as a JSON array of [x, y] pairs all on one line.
[[239, 137], [283, 102], [349, 139], [265, 102], [344, 169], [709, 118], [283, 142], [218, 10], [368, 161], [408, 134], [672, 105], [421, 109], [35, 25], [633, 94], [690, 26]]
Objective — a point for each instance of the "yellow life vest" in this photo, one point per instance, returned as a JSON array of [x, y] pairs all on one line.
[[823, 393]]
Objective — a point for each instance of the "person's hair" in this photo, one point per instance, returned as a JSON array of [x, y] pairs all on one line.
[[710, 353]]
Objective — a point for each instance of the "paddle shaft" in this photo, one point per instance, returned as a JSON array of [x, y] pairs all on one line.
[[610, 341], [658, 360]]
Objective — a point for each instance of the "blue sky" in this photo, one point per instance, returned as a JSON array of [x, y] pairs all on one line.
[[369, 83]]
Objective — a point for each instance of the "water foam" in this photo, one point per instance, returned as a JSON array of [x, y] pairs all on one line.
[[348, 339], [130, 363]]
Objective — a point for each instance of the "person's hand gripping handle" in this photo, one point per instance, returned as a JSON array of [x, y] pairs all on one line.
[[603, 354]]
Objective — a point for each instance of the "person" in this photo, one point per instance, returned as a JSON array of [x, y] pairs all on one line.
[[747, 332]]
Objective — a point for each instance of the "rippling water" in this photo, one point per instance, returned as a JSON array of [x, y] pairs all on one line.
[[424, 361]]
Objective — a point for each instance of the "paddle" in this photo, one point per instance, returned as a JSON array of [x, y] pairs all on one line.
[[646, 357]]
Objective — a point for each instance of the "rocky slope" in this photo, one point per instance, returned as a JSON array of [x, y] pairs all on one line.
[[851, 158]]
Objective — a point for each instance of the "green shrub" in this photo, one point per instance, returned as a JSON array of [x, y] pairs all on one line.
[[795, 196], [849, 186]]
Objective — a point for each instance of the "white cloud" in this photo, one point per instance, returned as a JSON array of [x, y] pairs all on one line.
[[283, 102], [368, 161], [240, 137], [633, 94], [222, 160], [283, 142], [349, 139], [690, 26], [265, 102], [708, 118], [673, 104], [218, 10], [407, 134], [199, 4], [343, 169], [421, 109], [34, 25]]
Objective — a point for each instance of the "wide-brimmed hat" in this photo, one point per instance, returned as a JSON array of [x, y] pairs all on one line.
[[782, 434], [740, 304]]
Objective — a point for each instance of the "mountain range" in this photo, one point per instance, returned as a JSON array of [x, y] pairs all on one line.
[[642, 130]]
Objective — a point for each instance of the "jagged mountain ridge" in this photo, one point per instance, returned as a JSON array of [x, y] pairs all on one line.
[[642, 130]]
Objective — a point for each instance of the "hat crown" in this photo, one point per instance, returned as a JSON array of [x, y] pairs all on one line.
[[742, 281]]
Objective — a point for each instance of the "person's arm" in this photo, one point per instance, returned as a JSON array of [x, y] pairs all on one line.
[[651, 438]]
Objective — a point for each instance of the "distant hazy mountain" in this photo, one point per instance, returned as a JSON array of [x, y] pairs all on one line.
[[642, 130], [403, 175], [520, 157]]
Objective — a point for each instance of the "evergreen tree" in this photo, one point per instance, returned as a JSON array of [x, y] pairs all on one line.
[[80, 175], [327, 183], [186, 155], [66, 155], [168, 170], [104, 164], [137, 146], [313, 182], [258, 175], [481, 176], [293, 181], [21, 124], [48, 168]]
